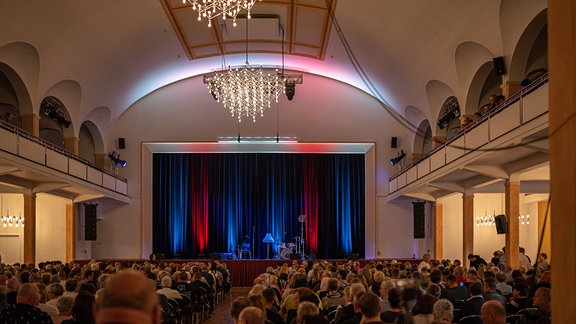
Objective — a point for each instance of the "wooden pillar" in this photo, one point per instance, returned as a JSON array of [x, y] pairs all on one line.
[[512, 197], [467, 226], [31, 124], [100, 160], [562, 99], [70, 232], [544, 221], [438, 231], [30, 228], [71, 144]]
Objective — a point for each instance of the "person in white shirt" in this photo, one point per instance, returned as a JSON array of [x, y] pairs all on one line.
[[167, 291]]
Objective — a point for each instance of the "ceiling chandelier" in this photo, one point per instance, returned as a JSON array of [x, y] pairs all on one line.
[[226, 8], [248, 90]]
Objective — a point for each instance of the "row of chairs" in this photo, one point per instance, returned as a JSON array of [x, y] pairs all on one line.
[[190, 309]]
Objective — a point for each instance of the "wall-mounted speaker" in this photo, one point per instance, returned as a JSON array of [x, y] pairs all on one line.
[[501, 224], [419, 222], [90, 227], [394, 142], [295, 256], [499, 66], [121, 143]]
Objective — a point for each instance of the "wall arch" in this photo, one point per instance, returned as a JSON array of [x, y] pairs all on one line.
[[69, 94], [437, 92], [20, 63], [531, 52]]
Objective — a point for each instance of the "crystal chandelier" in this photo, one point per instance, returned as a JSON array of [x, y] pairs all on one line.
[[227, 8], [246, 91]]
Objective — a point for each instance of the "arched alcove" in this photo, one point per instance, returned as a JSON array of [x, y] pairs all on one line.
[[12, 93], [20, 63], [90, 142], [54, 118], [531, 51], [423, 138]]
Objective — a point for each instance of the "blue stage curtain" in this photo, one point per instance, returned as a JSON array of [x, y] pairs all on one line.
[[213, 202]]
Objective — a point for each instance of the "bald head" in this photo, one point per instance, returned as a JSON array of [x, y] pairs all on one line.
[[493, 312], [130, 295], [251, 315], [28, 294]]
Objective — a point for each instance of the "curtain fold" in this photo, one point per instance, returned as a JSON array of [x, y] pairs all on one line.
[[213, 202]]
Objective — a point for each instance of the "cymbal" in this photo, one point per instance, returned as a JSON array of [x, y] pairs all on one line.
[[302, 218]]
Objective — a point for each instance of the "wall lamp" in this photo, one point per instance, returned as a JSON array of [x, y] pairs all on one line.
[[116, 159], [399, 158]]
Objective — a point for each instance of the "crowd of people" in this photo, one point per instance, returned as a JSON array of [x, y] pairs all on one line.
[[431, 291], [111, 292]]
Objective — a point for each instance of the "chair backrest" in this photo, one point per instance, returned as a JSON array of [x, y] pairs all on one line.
[[512, 319], [470, 319]]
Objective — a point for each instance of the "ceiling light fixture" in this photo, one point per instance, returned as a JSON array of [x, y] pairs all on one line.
[[210, 9], [247, 90]]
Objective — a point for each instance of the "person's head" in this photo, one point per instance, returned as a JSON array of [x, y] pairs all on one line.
[[493, 312], [475, 289], [542, 257], [490, 283], [443, 311], [166, 281], [369, 305], [434, 290], [425, 304], [520, 289], [394, 298], [131, 294], [542, 298], [28, 294], [251, 315], [82, 308], [13, 284], [8, 116], [306, 309], [386, 286], [269, 295], [71, 284], [471, 257], [64, 305], [238, 304]]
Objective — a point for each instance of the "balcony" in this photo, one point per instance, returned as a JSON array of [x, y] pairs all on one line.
[[31, 165], [511, 141]]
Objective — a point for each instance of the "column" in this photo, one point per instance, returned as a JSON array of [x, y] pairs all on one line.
[[71, 144], [512, 197], [70, 232], [31, 124], [30, 228], [100, 160], [544, 220], [468, 226], [438, 231], [562, 99]]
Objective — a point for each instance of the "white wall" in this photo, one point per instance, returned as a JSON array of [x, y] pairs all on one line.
[[323, 110], [50, 227]]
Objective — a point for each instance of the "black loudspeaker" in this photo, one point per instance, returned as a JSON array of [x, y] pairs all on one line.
[[352, 256], [90, 232], [419, 223], [501, 225], [394, 142], [215, 256], [295, 256], [121, 143], [499, 66]]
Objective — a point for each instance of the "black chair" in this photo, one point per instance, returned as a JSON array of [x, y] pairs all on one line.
[[470, 319], [512, 319]]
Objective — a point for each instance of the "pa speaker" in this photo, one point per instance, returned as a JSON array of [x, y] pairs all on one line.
[[419, 223], [499, 66], [295, 256], [121, 143], [215, 256], [501, 225], [394, 142], [90, 228], [352, 256]]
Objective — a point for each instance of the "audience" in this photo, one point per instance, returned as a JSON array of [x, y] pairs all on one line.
[[26, 308], [493, 312]]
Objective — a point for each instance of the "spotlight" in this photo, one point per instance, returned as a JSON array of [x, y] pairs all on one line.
[[290, 90], [399, 158], [58, 116], [116, 159]]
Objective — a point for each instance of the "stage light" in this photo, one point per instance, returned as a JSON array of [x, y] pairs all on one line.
[[399, 158], [290, 89], [116, 159], [57, 116]]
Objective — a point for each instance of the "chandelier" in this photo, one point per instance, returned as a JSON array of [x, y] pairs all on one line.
[[246, 91], [11, 220], [226, 8]]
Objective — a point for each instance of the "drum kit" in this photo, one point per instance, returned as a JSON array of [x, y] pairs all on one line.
[[285, 249]]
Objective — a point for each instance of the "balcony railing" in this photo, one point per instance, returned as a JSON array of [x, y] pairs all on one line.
[[526, 105], [22, 144]]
